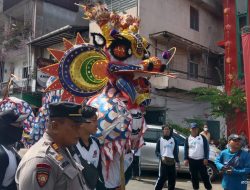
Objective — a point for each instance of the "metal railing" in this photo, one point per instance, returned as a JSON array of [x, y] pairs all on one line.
[[197, 78]]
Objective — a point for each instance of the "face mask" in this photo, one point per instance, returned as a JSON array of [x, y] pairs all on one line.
[[10, 134], [205, 129]]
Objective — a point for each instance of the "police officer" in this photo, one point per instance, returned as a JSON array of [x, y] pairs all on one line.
[[48, 164], [10, 132], [196, 153], [88, 147]]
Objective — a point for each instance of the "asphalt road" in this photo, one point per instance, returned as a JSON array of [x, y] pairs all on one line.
[[183, 182]]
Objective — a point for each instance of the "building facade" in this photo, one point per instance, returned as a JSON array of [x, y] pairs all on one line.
[[24, 21]]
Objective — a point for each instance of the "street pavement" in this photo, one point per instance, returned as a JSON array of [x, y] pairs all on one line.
[[147, 183], [183, 182]]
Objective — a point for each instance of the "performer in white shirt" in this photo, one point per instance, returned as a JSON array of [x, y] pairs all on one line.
[[88, 147], [196, 154], [167, 151]]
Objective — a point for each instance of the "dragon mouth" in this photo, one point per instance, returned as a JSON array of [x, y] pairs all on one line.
[[121, 68], [136, 70]]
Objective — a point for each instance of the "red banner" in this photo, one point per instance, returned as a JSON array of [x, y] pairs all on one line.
[[246, 58]]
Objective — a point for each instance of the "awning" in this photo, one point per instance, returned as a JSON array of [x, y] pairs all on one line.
[[56, 36], [165, 36]]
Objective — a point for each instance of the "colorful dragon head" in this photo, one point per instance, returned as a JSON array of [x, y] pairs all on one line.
[[119, 56]]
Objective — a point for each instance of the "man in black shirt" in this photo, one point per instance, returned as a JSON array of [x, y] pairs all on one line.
[[11, 130]]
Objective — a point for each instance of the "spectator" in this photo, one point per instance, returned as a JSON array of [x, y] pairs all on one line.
[[88, 148], [167, 151], [10, 132], [196, 153], [234, 163], [206, 133]]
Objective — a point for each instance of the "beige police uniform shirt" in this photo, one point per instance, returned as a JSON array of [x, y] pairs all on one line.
[[42, 167]]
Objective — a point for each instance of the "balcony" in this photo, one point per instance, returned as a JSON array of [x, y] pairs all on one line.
[[184, 82]]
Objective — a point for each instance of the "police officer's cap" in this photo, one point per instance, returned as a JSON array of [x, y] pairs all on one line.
[[9, 117], [66, 110]]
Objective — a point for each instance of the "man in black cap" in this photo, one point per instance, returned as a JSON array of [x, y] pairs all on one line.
[[11, 130], [234, 163], [87, 151], [48, 164]]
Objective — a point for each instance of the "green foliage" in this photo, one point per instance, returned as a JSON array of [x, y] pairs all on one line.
[[222, 104], [180, 129]]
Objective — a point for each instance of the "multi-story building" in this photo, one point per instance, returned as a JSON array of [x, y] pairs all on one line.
[[193, 27], [28, 27]]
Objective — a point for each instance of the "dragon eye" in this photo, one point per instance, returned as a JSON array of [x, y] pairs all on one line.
[[120, 48], [120, 51], [98, 40]]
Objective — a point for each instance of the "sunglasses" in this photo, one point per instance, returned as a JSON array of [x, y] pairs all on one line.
[[236, 140]]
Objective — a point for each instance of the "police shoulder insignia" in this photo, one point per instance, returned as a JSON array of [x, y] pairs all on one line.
[[42, 174]]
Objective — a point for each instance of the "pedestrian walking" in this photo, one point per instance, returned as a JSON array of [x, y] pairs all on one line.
[[48, 164], [167, 151], [196, 153], [87, 150], [234, 164], [11, 130]]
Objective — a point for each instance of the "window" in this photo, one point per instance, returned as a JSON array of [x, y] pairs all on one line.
[[193, 70], [152, 135], [241, 6], [120, 5], [155, 117], [194, 18], [67, 4], [25, 72], [194, 59]]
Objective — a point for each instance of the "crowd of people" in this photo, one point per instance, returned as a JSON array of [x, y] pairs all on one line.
[[68, 155], [233, 162]]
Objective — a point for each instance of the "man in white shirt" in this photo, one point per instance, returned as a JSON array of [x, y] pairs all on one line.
[[196, 154], [167, 151], [88, 147]]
